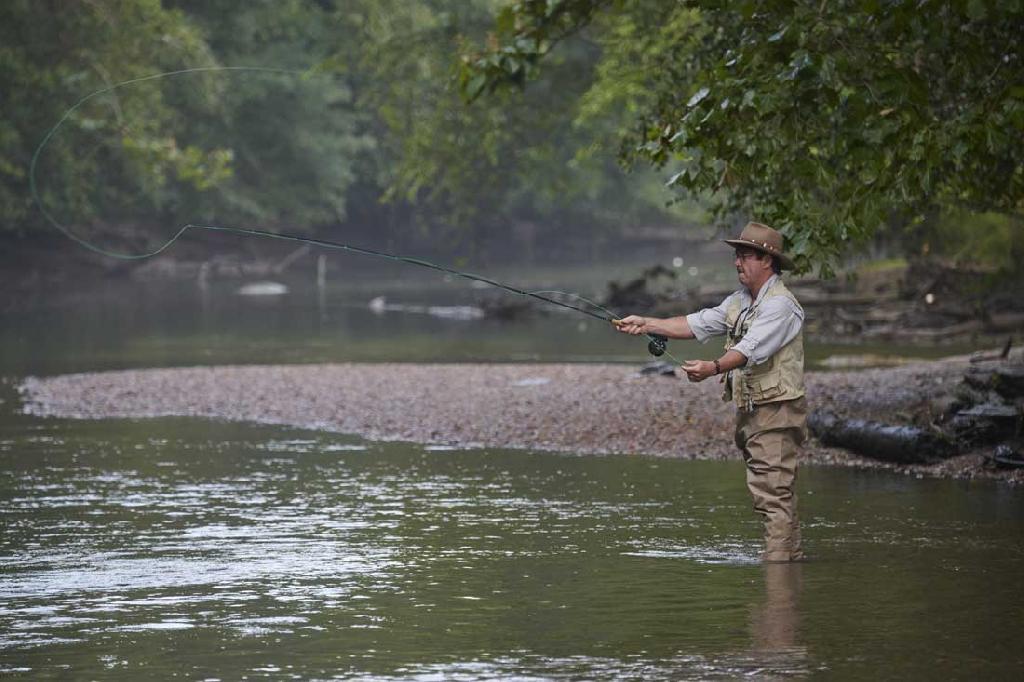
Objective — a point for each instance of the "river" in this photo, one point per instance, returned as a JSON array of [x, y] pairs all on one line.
[[215, 550]]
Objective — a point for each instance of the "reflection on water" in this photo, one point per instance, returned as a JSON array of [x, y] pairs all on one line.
[[121, 326], [212, 550], [775, 622]]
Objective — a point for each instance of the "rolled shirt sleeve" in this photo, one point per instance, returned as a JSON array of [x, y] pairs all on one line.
[[777, 322], [710, 321]]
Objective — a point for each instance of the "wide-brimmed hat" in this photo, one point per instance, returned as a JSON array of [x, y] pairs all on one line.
[[764, 239]]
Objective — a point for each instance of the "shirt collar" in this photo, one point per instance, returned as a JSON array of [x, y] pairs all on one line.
[[760, 294]]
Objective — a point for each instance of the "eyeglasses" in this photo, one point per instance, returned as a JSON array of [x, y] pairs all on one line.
[[744, 255]]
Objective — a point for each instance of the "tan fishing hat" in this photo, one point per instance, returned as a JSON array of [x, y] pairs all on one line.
[[764, 239]]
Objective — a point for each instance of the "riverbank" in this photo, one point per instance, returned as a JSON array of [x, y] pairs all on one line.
[[580, 408]]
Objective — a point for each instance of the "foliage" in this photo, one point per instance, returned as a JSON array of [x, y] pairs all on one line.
[[827, 120], [49, 51], [372, 138], [296, 139], [230, 146], [507, 164], [989, 239]]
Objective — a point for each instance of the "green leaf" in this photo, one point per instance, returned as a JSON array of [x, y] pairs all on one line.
[[505, 20], [476, 85]]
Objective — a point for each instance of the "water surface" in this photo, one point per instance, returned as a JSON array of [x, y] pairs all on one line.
[[205, 550], [120, 324], [210, 550]]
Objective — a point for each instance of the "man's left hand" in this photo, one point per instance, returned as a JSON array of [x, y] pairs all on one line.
[[699, 370]]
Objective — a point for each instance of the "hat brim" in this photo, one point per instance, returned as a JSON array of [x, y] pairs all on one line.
[[784, 261]]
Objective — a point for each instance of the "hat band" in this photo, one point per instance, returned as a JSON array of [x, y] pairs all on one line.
[[764, 245]]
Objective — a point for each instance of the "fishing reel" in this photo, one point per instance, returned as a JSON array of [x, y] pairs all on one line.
[[657, 345]]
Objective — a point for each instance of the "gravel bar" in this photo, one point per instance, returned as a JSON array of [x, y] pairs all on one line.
[[580, 408]]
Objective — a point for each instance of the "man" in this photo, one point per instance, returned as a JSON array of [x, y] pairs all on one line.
[[763, 368]]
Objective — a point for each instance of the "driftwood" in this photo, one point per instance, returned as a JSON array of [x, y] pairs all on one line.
[[636, 295], [982, 356], [287, 261], [986, 409], [986, 423], [901, 444], [1007, 457]]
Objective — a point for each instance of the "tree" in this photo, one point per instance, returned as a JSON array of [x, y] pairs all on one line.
[[369, 132], [296, 138], [115, 151], [828, 120], [477, 173], [139, 159]]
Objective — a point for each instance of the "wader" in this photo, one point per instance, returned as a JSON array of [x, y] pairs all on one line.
[[770, 427]]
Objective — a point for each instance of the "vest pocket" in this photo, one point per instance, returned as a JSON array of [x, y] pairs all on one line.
[[765, 386]]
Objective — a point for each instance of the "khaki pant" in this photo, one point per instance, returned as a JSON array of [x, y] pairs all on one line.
[[769, 436]]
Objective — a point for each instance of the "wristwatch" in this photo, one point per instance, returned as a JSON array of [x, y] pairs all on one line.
[[718, 368]]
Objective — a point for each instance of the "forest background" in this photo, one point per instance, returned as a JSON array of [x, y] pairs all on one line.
[[893, 129]]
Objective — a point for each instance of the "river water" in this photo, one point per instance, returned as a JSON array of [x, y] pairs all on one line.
[[211, 550]]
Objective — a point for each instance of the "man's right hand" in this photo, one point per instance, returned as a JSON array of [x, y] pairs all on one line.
[[633, 324]]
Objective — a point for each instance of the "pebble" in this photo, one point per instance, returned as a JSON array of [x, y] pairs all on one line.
[[580, 408]]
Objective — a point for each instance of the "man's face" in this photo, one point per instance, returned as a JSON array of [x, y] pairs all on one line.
[[751, 265]]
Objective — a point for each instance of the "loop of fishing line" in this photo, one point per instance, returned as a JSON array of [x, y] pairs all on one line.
[[656, 343]]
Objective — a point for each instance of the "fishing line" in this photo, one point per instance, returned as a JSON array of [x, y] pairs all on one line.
[[102, 91], [656, 343]]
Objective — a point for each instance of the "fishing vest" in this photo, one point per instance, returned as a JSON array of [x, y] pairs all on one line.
[[780, 377]]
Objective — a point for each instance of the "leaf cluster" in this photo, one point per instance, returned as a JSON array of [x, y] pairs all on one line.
[[828, 120], [48, 50], [375, 138], [230, 146], [508, 162]]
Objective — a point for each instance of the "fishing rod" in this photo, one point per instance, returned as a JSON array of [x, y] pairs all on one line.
[[657, 344], [411, 260]]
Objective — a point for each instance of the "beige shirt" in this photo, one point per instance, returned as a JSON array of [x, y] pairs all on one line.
[[777, 322]]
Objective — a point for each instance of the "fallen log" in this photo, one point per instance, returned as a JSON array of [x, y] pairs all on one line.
[[900, 444]]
